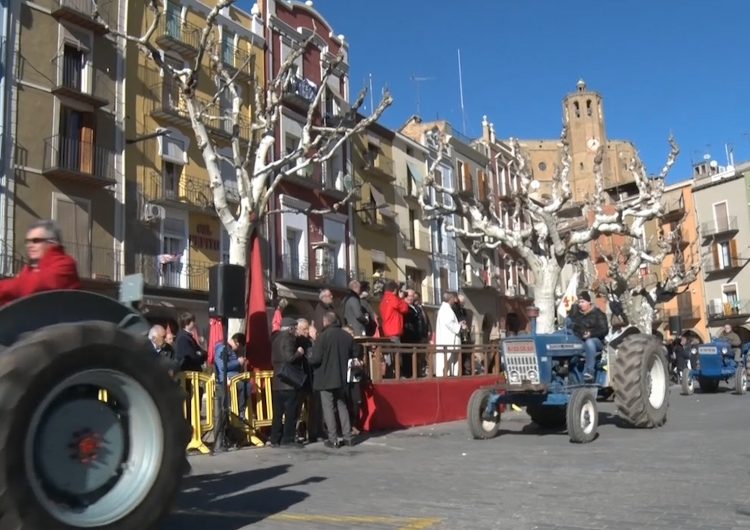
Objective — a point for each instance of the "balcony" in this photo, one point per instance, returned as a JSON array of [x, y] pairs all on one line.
[[684, 311], [726, 227], [238, 61], [300, 91], [173, 35], [674, 210], [94, 262], [73, 159], [735, 263], [296, 268], [72, 86], [375, 219], [168, 105], [80, 13], [168, 271], [190, 192], [739, 308], [338, 184], [419, 241], [378, 164]]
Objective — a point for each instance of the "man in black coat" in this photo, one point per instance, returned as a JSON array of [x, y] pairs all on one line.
[[188, 353], [284, 351], [590, 324], [330, 359]]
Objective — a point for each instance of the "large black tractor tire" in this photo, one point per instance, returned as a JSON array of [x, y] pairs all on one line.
[[547, 417], [479, 427], [641, 381], [708, 386], [72, 457], [582, 416]]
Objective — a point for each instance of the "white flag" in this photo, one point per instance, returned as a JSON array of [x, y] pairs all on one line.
[[569, 298]]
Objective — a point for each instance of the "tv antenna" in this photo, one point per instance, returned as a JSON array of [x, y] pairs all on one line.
[[417, 80]]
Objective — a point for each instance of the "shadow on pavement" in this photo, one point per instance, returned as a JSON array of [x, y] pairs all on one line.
[[219, 501]]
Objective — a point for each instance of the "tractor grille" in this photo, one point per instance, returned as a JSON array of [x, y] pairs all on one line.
[[521, 364]]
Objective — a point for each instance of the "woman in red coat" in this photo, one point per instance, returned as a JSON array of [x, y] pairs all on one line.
[[49, 267]]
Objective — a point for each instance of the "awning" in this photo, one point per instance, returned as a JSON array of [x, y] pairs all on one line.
[[416, 173], [380, 203]]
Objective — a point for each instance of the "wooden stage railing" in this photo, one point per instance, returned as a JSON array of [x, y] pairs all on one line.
[[386, 360]]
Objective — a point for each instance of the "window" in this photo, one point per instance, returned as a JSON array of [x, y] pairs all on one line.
[[588, 107], [173, 247], [171, 179], [412, 228], [577, 107], [291, 253], [76, 142], [173, 22], [286, 50], [227, 47], [290, 143], [732, 302], [467, 268], [721, 216], [444, 284], [74, 68], [724, 254]]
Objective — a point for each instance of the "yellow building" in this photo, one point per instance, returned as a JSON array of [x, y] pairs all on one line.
[[173, 232], [375, 227]]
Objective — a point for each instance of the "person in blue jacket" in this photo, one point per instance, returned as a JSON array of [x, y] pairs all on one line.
[[229, 360]]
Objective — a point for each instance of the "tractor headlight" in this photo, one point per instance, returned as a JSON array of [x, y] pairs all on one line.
[[724, 350], [694, 350], [514, 377], [533, 376]]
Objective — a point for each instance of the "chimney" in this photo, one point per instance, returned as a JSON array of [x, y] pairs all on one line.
[[486, 129]]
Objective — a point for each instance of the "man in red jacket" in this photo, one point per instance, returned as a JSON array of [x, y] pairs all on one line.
[[393, 307], [49, 267]]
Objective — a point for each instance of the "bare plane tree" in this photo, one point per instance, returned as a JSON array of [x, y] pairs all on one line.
[[538, 235], [256, 171]]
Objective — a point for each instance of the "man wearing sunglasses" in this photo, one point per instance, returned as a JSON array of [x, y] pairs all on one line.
[[49, 267]]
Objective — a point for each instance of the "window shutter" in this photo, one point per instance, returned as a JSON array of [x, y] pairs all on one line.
[[733, 257]]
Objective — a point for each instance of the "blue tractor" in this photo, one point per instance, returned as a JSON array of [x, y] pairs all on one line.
[[711, 363], [544, 373], [92, 432]]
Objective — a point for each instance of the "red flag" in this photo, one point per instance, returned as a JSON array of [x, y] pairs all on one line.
[[215, 336], [258, 339]]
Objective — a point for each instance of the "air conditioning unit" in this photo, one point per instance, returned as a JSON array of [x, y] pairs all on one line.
[[153, 212], [716, 307]]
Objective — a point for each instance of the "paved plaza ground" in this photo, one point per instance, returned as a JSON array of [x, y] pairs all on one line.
[[692, 473]]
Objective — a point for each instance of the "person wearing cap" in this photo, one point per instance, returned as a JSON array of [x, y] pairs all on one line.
[[590, 324]]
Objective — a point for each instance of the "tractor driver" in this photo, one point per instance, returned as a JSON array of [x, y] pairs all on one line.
[[590, 324], [49, 267]]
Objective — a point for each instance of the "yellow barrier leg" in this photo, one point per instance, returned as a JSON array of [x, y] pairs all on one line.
[[196, 441]]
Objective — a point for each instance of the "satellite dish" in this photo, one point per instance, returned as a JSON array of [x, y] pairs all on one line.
[[713, 163], [535, 185], [706, 157]]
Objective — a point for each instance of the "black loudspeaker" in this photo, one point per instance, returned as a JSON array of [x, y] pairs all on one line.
[[675, 325], [226, 291]]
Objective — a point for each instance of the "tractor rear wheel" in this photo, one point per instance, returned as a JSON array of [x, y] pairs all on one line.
[[582, 416], [92, 432], [480, 426], [641, 381], [547, 417]]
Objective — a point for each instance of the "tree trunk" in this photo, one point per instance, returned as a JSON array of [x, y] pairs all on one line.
[[238, 254], [639, 312], [545, 281]]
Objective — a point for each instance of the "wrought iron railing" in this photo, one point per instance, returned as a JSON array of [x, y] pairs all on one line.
[[172, 27], [77, 156], [169, 271], [719, 226]]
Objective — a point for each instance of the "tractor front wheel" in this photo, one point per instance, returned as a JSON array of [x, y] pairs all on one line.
[[582, 416], [740, 380], [481, 425], [686, 383]]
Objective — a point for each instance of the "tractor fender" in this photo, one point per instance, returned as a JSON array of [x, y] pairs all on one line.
[[65, 306]]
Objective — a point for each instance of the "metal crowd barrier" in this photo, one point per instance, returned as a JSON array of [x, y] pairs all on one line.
[[199, 407]]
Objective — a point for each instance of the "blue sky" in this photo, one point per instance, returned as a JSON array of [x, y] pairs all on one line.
[[666, 65]]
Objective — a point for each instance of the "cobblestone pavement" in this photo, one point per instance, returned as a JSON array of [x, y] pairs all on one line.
[[694, 473]]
